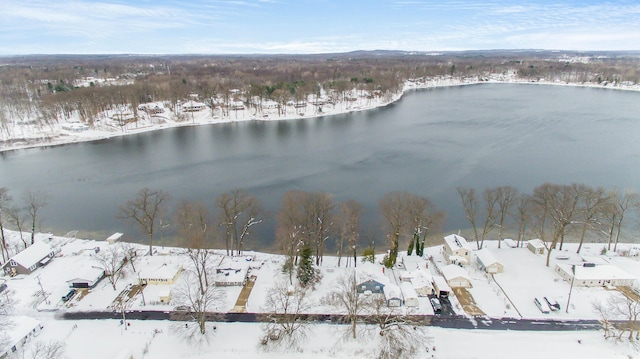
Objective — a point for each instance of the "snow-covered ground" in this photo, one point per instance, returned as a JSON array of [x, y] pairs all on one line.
[[525, 276], [31, 135]]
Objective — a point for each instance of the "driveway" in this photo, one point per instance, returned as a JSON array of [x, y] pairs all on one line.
[[467, 302]]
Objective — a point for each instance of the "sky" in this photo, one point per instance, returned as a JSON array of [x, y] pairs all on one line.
[[313, 26]]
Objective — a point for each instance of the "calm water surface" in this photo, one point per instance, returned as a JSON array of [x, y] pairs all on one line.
[[429, 143]]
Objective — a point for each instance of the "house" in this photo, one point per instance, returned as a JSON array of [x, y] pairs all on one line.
[[457, 250], [21, 330], [392, 295], [456, 276], [488, 262], [441, 287], [193, 106], [116, 237], [75, 127], [536, 246], [166, 273], [232, 271], [595, 275], [410, 295], [370, 286], [88, 277], [27, 261]]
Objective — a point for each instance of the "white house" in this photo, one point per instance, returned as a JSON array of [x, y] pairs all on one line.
[[232, 271], [456, 276], [412, 263], [422, 283], [22, 329], [594, 275], [410, 295], [392, 295], [165, 273], [488, 262], [536, 246], [193, 106], [457, 250], [32, 257]]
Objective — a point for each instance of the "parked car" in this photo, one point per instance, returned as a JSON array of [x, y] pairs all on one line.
[[541, 305], [552, 303], [435, 303], [69, 295]]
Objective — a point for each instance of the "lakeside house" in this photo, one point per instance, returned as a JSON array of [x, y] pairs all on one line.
[[457, 250], [232, 271], [594, 275], [165, 273], [392, 295], [193, 106], [409, 294], [370, 278], [441, 287], [87, 277], [31, 258]]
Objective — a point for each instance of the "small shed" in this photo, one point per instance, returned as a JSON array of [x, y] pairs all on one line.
[[37, 255], [536, 246], [392, 295], [116, 237], [510, 242], [441, 287], [456, 276], [488, 262], [409, 294]]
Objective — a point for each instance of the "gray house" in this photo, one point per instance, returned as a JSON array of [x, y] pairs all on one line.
[[30, 259], [370, 286]]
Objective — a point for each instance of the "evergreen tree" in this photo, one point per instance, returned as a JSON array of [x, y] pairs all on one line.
[[306, 272]]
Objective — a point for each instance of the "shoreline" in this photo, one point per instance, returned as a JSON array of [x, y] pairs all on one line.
[[206, 117]]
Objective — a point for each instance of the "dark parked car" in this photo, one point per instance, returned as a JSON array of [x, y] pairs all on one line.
[[66, 297]]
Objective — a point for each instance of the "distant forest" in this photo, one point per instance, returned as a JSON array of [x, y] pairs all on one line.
[[48, 89]]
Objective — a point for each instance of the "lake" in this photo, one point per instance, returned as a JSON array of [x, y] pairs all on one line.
[[428, 143]]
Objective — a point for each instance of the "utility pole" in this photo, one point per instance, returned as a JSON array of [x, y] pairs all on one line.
[[573, 270]]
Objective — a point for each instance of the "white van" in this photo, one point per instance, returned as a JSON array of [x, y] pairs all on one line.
[[541, 305]]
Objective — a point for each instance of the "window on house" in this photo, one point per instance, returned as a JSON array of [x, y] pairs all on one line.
[[364, 287], [13, 263], [377, 287]]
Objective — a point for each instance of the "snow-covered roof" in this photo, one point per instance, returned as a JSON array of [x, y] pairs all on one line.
[[441, 283], [597, 272], [20, 328], [458, 259], [32, 254], [486, 258], [115, 237], [408, 291], [454, 242], [193, 104], [391, 291], [537, 243], [87, 273], [162, 271], [413, 262], [453, 271], [366, 271]]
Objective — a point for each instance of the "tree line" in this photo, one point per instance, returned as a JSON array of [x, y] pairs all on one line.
[[50, 90]]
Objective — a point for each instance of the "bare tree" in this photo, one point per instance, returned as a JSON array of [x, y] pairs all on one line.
[[349, 220], [401, 336], [239, 211], [593, 203], [506, 198], [5, 200], [619, 203], [490, 201], [345, 296], [145, 211], [51, 350], [17, 218], [394, 207], [318, 221], [112, 260], [290, 231], [35, 201], [193, 221], [470, 206], [522, 215], [285, 306], [619, 316], [202, 301]]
